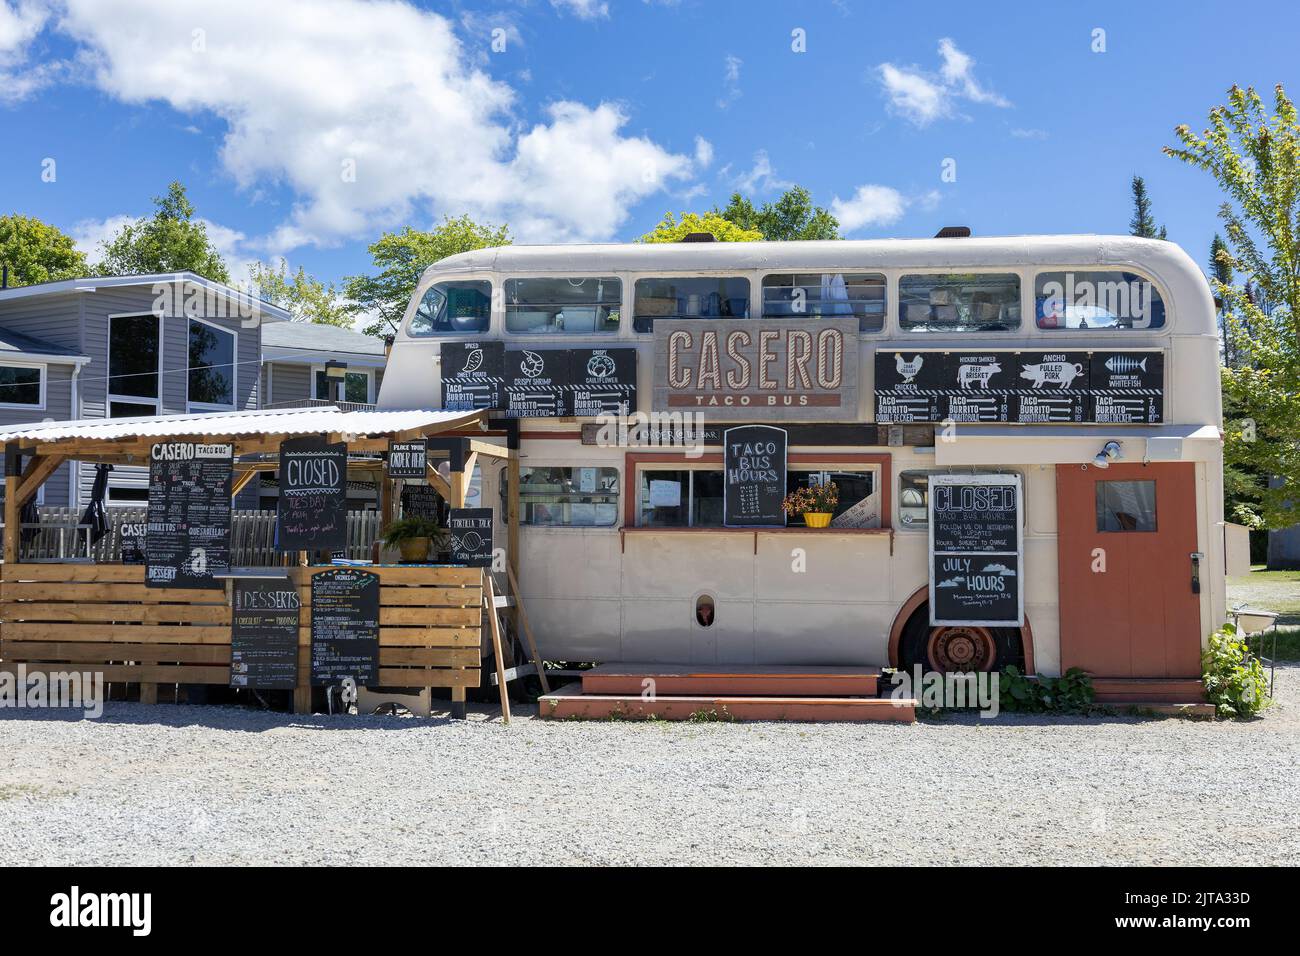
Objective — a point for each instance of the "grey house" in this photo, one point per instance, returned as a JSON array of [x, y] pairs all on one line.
[[294, 356], [126, 346]]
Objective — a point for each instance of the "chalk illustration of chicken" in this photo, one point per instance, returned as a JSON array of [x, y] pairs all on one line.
[[908, 370]]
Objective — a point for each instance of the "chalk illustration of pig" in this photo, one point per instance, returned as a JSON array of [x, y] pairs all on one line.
[[1058, 373]]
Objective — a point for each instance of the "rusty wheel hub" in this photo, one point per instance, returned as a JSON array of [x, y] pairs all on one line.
[[961, 648]]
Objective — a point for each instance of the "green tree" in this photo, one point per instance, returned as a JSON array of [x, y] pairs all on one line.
[[672, 229], [309, 299], [1255, 159], [170, 240], [400, 259], [1220, 272], [1143, 223], [37, 252], [792, 217]]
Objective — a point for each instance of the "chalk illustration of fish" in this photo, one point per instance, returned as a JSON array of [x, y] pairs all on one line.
[[473, 362], [1120, 364]]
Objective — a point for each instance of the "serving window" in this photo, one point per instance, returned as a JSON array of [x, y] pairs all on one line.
[[1097, 299], [692, 497], [966, 302], [826, 295], [572, 305], [689, 297], [569, 497]]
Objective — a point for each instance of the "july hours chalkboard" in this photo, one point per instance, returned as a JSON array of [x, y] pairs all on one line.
[[312, 509], [264, 618], [975, 549], [344, 626], [753, 478], [188, 533]]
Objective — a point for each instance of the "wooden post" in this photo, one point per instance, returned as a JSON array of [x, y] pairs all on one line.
[[13, 478], [512, 520], [490, 605]]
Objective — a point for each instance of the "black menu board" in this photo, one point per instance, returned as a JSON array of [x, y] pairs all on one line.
[[420, 501], [311, 512], [1127, 387], [603, 381], [188, 539], [1053, 387], [408, 459], [132, 536], [910, 387], [537, 383], [471, 536], [753, 477], [344, 626], [975, 548], [979, 386], [264, 621], [473, 375]]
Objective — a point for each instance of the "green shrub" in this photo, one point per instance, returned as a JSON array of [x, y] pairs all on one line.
[[1234, 679], [1071, 693]]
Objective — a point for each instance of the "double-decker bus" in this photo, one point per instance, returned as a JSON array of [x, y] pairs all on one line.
[[1078, 374]]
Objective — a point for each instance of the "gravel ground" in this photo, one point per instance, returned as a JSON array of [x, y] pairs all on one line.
[[167, 784]]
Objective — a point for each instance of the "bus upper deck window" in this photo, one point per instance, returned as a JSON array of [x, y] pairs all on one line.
[[452, 308], [1097, 299], [826, 295], [573, 305], [971, 302], [689, 297]]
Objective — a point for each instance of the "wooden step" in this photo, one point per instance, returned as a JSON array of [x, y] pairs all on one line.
[[731, 680], [571, 703], [1125, 690]]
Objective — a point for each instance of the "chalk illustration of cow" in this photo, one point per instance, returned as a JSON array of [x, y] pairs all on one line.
[[908, 370], [977, 375], [1060, 373]]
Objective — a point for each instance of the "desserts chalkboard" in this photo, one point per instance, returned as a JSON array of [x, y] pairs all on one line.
[[264, 635], [408, 459], [471, 536], [312, 509], [754, 473], [975, 550], [344, 626], [188, 535]]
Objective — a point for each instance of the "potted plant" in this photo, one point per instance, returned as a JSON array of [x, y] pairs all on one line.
[[816, 503], [413, 536]]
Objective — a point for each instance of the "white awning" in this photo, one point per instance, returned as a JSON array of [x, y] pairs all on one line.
[[1064, 444]]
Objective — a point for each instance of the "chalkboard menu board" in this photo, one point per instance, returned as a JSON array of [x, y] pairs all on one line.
[[471, 536], [188, 539], [603, 381], [537, 383], [420, 501], [408, 459], [311, 512], [975, 550], [1020, 387], [344, 626], [264, 634], [555, 383], [754, 471], [473, 375], [132, 535]]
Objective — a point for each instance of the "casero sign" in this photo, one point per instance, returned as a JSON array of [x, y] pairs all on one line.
[[766, 369]]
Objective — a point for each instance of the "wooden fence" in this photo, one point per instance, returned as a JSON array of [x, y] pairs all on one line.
[[102, 618]]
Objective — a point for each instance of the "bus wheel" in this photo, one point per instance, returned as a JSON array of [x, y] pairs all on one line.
[[960, 647]]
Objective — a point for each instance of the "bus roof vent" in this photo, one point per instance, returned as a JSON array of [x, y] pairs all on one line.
[[699, 237], [953, 232]]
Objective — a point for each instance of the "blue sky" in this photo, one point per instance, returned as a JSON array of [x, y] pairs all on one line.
[[599, 115]]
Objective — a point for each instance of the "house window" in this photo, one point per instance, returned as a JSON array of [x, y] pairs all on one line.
[[573, 306], [453, 308], [1105, 299], [692, 297], [356, 386], [211, 367], [569, 497], [1126, 506], [972, 302], [22, 386], [826, 295], [134, 350], [680, 498]]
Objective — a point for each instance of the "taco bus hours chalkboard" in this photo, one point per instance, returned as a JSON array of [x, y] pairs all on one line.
[[754, 474], [188, 519], [344, 626], [975, 550]]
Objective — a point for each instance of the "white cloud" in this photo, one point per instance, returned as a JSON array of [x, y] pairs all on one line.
[[761, 178], [703, 153], [1019, 133], [730, 80], [20, 24], [324, 86], [89, 234], [583, 9], [870, 205], [923, 97]]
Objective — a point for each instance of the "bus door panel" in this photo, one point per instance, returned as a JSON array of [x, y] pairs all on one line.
[[1126, 535]]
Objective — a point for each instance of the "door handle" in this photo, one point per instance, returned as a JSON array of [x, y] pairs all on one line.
[[1196, 571]]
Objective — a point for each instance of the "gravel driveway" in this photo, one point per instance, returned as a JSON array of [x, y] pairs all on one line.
[[167, 784]]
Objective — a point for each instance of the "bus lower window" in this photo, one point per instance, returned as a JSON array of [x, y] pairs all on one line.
[[827, 295], [569, 497], [972, 302], [700, 297], [1102, 299], [452, 308], [680, 498], [914, 499], [576, 306], [855, 488]]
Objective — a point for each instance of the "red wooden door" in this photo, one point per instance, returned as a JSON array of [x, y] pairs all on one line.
[[1139, 617]]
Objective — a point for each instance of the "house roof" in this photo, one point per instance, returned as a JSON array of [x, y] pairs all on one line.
[[266, 310], [17, 344], [313, 343]]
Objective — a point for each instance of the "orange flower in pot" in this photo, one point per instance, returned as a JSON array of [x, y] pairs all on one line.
[[815, 503]]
